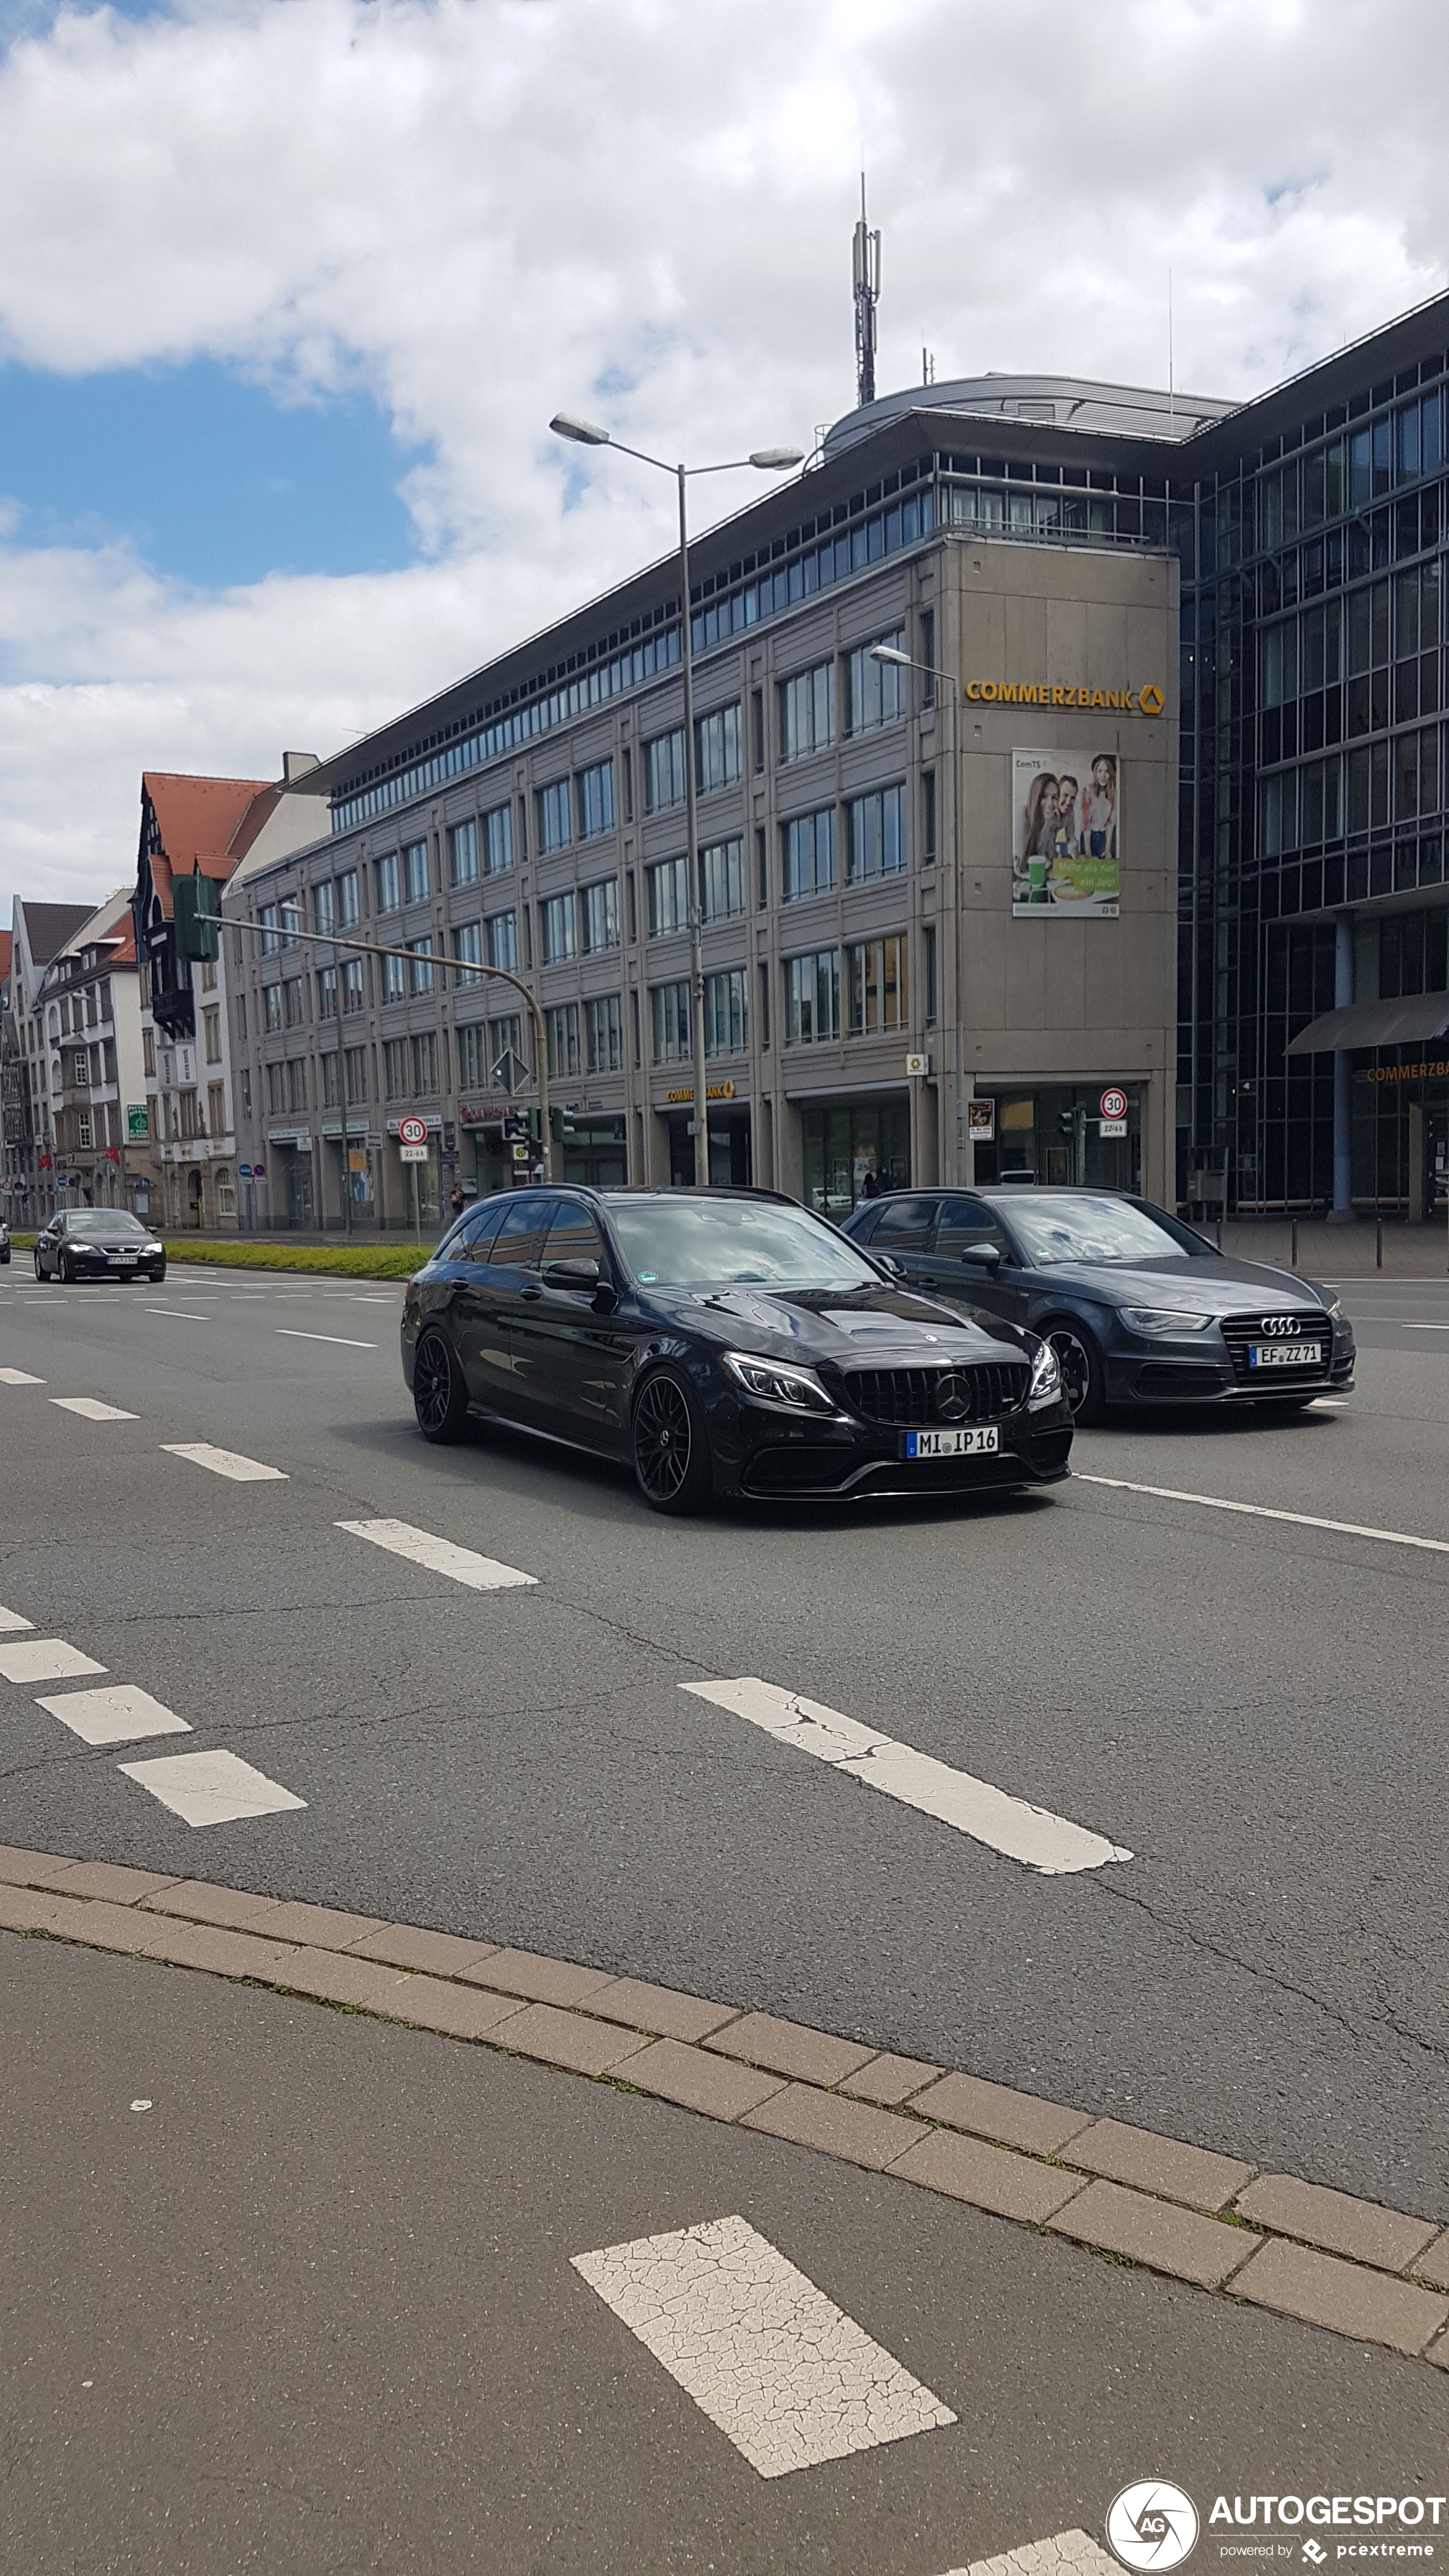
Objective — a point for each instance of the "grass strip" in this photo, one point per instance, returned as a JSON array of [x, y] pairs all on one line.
[[346, 1261]]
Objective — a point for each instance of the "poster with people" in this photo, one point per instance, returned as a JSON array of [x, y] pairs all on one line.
[[1066, 836]]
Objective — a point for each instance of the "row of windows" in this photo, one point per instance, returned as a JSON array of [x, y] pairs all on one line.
[[1386, 622], [1361, 791], [873, 974], [1391, 533], [1351, 472], [872, 693]]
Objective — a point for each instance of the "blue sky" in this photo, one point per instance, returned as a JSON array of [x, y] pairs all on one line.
[[213, 481]]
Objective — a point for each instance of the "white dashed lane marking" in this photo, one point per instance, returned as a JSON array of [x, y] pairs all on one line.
[[439, 1555], [179, 1314], [1068, 2553], [225, 1462], [122, 1714], [44, 1659], [91, 1409], [210, 1788], [340, 1340], [787, 2376], [1262, 1512], [19, 1377], [1008, 1825], [11, 1620]]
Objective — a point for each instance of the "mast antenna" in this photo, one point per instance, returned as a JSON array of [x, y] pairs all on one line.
[[867, 296]]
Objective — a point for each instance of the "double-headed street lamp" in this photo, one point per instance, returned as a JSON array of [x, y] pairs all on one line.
[[768, 460], [950, 998]]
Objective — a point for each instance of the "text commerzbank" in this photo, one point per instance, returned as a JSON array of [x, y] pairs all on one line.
[[1147, 701]]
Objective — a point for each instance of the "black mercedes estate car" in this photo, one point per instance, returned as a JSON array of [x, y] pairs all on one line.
[[1139, 1308], [721, 1342]]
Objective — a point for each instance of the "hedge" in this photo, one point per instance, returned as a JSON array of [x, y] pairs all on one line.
[[348, 1261]]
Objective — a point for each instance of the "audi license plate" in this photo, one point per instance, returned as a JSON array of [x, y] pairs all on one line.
[[1285, 1355], [981, 1443]]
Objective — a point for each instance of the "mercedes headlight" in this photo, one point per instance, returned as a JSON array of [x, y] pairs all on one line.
[[794, 1390], [1165, 1319], [1046, 1377]]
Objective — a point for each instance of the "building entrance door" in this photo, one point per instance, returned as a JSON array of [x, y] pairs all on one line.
[[299, 1191]]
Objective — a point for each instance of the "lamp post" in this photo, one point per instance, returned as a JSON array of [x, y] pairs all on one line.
[[896, 660], [767, 460]]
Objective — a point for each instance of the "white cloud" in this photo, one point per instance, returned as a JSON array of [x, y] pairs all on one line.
[[483, 209]]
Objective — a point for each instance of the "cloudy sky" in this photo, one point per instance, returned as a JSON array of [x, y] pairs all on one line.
[[289, 289]]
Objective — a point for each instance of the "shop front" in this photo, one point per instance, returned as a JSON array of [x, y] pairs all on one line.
[[847, 1144], [350, 1190], [289, 1156], [730, 1155], [1400, 1117], [1058, 1135]]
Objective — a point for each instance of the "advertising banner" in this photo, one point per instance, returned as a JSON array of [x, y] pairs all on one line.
[[1066, 835]]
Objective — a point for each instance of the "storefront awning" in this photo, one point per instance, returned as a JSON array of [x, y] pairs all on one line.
[[1375, 1024]]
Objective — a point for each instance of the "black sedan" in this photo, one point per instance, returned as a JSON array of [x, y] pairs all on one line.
[[721, 1342], [1138, 1308], [98, 1243]]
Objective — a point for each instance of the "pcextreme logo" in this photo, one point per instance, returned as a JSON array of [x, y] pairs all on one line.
[[1148, 701]]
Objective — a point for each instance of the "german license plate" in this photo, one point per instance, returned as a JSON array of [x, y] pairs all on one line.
[[122, 1260], [982, 1443], [1285, 1355]]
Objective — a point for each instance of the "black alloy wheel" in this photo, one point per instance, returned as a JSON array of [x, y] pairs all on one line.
[[65, 1270], [1080, 1362], [440, 1397], [671, 1455]]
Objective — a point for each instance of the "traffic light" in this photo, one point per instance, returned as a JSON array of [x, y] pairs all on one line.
[[198, 930]]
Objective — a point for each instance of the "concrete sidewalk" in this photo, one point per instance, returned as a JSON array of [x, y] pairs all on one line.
[[292, 2289], [1338, 1251]]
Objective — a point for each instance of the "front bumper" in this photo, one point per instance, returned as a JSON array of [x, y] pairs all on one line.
[[765, 1454], [1175, 1375]]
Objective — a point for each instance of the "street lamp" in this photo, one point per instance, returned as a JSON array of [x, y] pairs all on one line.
[[767, 460], [897, 660]]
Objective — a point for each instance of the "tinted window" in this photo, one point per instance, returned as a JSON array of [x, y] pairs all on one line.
[[113, 1228], [688, 1242], [519, 1240], [963, 1222], [477, 1230], [573, 1235], [904, 1225]]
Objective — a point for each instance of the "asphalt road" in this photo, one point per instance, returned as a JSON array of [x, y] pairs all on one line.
[[293, 2291], [1251, 1707]]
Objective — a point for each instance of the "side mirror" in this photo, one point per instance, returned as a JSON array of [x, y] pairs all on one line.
[[571, 1274], [983, 1256], [887, 1262]]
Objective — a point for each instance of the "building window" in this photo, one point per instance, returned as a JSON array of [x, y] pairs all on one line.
[[472, 1072], [468, 949], [554, 820], [241, 1015], [420, 973], [664, 772], [669, 1009], [505, 1037], [764, 996], [604, 1031], [595, 799], [291, 911], [225, 1193], [81, 1072], [425, 1065], [267, 916], [352, 985], [348, 899], [502, 931], [668, 889], [498, 841], [726, 1025], [296, 1082], [292, 1001], [928, 818], [355, 1062], [83, 1127], [276, 1092], [926, 629], [722, 880], [327, 993], [415, 872], [208, 985], [246, 1090], [599, 905], [385, 878], [806, 712], [392, 978], [717, 749], [395, 1068], [807, 855], [329, 1082], [463, 854], [878, 986], [562, 1026], [216, 1108], [812, 997], [928, 961], [324, 908], [556, 928], [876, 834], [875, 692]]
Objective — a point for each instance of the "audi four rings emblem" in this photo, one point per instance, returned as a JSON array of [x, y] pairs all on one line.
[[1282, 1324]]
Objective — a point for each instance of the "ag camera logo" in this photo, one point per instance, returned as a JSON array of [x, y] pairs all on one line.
[[1152, 2525]]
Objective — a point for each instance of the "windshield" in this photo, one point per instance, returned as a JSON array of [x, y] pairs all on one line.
[[119, 1228], [1057, 1225], [720, 1243]]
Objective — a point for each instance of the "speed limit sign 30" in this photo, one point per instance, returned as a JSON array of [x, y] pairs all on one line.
[[412, 1131], [1114, 1104]]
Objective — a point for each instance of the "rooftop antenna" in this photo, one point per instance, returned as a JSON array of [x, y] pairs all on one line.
[[1171, 395], [928, 366], [867, 296]]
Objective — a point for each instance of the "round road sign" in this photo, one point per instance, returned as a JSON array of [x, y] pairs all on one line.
[[1114, 1104], [414, 1131]]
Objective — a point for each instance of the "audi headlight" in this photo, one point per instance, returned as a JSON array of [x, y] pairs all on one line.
[[1165, 1319], [1046, 1377], [1331, 1305], [794, 1390]]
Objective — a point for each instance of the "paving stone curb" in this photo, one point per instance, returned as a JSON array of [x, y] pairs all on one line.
[[1346, 2265]]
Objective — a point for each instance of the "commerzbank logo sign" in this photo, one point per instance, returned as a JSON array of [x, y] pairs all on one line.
[[1146, 701]]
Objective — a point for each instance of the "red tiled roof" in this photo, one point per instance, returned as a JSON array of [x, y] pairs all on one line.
[[6, 944], [202, 816]]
